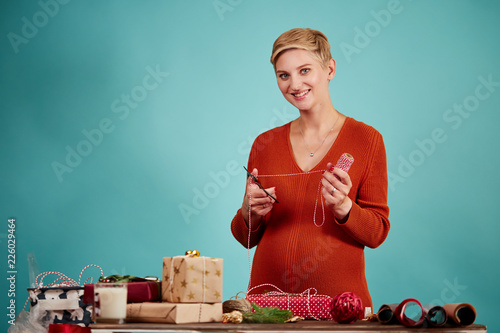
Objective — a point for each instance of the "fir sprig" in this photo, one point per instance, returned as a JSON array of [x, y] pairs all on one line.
[[266, 315]]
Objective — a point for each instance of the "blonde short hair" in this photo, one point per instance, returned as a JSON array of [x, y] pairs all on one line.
[[306, 39]]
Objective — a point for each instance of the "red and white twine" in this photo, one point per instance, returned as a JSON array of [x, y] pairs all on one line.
[[65, 280], [62, 280]]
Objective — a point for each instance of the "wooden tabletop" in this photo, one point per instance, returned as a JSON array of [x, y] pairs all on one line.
[[307, 326]]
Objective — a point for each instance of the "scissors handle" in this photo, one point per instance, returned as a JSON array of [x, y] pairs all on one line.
[[257, 182]]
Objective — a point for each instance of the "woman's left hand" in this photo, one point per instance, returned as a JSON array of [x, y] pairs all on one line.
[[336, 186]]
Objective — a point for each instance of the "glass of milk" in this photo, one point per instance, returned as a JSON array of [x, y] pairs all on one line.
[[110, 304]]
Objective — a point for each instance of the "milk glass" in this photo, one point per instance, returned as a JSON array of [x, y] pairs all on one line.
[[110, 304]]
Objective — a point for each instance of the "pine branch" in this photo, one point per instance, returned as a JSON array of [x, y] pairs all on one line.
[[268, 315]]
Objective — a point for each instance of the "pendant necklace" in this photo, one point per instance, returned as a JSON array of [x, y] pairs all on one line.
[[311, 154]]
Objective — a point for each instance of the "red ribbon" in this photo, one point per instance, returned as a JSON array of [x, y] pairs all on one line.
[[68, 328], [403, 319]]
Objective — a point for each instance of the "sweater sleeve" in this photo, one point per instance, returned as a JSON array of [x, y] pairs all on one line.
[[239, 227], [368, 221], [240, 231]]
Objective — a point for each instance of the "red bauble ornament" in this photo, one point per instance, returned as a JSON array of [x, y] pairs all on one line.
[[346, 308]]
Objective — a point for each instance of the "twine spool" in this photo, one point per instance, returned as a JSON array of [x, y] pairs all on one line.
[[239, 304], [346, 308], [345, 161]]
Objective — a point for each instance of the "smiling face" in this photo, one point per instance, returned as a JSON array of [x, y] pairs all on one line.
[[303, 80]]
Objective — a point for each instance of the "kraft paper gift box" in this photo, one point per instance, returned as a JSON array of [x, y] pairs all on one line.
[[176, 313], [189, 279], [62, 305]]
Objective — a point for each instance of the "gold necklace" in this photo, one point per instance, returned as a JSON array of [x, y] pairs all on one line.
[[311, 154]]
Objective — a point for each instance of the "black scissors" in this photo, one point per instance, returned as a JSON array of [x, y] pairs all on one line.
[[257, 182]]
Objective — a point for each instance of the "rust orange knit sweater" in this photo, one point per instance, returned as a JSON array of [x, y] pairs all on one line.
[[294, 254]]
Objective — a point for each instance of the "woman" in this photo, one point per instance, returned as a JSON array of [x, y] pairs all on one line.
[[299, 244]]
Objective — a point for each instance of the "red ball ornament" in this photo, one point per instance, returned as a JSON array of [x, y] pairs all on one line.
[[346, 308]]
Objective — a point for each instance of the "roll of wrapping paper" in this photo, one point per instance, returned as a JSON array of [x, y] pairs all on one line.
[[462, 314], [403, 319], [436, 315], [345, 161], [385, 314], [390, 313]]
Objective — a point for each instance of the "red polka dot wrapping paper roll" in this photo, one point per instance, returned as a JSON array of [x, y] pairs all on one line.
[[309, 307], [345, 161]]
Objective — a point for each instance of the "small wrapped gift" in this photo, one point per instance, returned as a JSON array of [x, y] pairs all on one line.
[[307, 305], [176, 313], [192, 279], [60, 302], [145, 291], [63, 305]]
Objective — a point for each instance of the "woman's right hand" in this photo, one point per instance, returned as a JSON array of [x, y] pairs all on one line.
[[257, 199]]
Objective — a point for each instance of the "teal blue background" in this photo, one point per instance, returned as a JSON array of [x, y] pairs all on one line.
[[121, 206]]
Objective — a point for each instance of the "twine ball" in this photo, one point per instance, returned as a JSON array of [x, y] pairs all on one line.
[[242, 305], [346, 308]]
